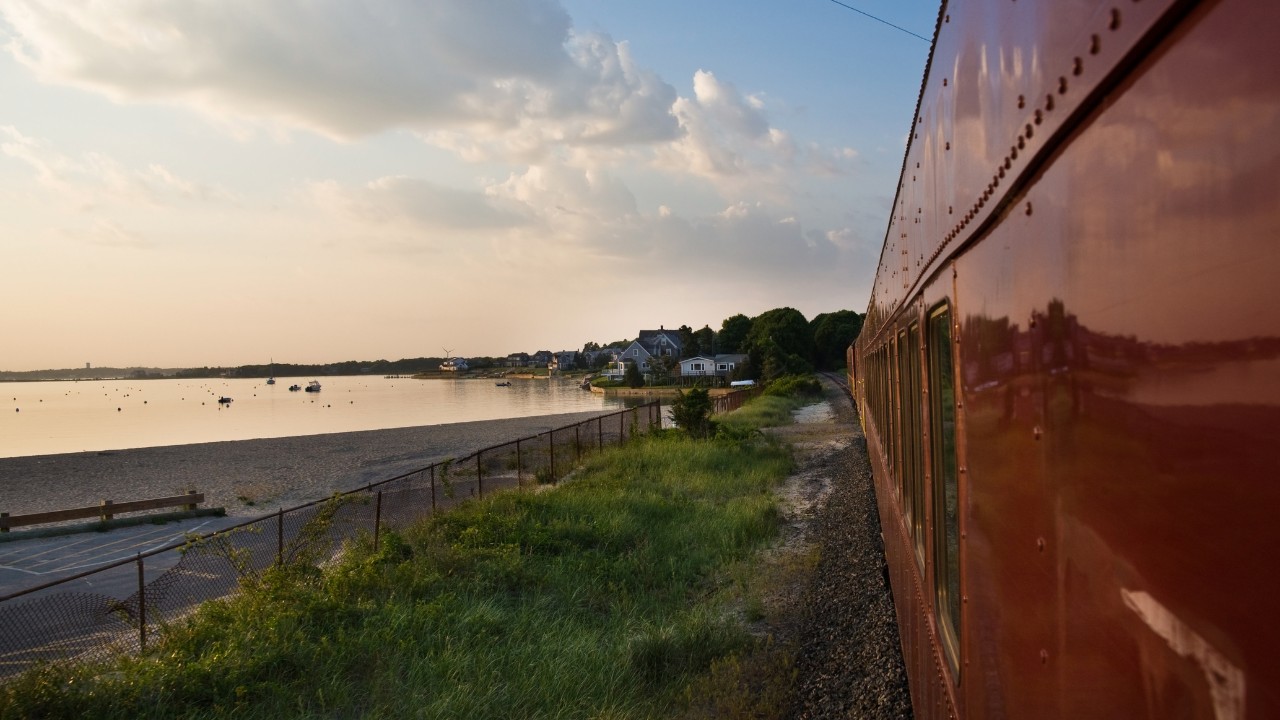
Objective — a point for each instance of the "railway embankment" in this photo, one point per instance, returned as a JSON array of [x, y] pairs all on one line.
[[830, 607]]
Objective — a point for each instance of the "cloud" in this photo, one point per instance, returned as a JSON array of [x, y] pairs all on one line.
[[501, 69], [94, 178], [417, 203]]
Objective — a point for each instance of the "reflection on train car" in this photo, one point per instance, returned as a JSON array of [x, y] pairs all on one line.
[[1069, 374]]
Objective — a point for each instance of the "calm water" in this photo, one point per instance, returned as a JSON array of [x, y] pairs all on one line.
[[58, 417]]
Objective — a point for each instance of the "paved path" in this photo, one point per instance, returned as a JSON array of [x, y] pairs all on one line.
[[34, 561]]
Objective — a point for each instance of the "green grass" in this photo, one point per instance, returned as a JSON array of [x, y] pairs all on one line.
[[601, 599], [764, 411]]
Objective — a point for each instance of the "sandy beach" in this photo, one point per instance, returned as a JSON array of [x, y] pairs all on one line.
[[250, 477]]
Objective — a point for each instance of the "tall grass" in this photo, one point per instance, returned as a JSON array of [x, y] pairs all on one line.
[[595, 600]]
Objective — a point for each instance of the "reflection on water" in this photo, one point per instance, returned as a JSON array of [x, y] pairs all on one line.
[[57, 417]]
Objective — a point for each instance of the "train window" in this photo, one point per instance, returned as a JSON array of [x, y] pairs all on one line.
[[913, 451], [946, 487], [903, 432]]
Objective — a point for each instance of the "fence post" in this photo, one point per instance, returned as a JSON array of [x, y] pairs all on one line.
[[377, 521], [280, 537], [600, 433], [622, 427], [551, 434], [4, 526], [479, 475], [142, 607], [190, 506], [433, 489], [577, 444], [105, 513], [519, 465]]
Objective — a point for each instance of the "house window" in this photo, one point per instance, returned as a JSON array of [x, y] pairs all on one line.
[[697, 366], [722, 366]]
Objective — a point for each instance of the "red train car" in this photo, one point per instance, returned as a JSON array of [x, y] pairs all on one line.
[[1070, 369]]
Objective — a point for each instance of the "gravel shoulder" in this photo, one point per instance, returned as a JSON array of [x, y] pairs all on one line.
[[835, 610], [250, 477]]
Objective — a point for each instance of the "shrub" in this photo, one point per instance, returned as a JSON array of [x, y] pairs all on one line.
[[692, 412], [794, 385]]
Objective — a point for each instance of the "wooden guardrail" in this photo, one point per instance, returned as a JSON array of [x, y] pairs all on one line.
[[105, 510]]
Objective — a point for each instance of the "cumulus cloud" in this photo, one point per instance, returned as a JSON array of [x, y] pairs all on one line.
[[503, 69]]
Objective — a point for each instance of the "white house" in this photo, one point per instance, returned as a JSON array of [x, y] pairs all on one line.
[[718, 366]]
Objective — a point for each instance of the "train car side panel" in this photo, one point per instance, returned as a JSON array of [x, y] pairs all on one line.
[[1116, 352]]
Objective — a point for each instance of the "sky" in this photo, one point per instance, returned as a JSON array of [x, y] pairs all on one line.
[[226, 182]]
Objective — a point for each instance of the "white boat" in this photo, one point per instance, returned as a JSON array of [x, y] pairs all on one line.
[[271, 376], [313, 386]]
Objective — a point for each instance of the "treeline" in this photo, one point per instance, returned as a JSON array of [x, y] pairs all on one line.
[[776, 342]]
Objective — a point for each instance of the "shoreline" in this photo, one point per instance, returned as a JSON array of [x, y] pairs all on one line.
[[252, 477]]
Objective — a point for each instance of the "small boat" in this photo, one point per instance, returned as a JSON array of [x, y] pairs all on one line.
[[313, 386], [271, 376], [271, 381], [295, 388], [224, 401], [504, 384]]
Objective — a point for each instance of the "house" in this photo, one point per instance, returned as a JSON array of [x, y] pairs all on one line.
[[661, 342], [564, 360], [454, 365], [634, 353], [650, 344], [704, 366], [519, 359], [542, 358]]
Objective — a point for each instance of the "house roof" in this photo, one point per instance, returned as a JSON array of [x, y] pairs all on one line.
[[654, 340]]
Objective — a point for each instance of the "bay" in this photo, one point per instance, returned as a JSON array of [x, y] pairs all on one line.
[[42, 418]]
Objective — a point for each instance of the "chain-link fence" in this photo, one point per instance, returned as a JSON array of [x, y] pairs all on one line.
[[120, 607]]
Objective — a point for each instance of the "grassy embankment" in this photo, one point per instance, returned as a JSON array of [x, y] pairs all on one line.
[[609, 597]]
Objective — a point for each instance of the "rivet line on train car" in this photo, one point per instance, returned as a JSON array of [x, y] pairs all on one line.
[[1115, 20], [1095, 44], [1062, 86]]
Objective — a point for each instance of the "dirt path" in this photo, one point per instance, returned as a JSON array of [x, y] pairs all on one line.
[[835, 610]]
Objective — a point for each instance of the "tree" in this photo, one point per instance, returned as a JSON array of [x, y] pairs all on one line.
[[689, 342], [733, 334], [632, 376], [660, 369], [706, 338], [692, 412], [832, 334], [780, 343]]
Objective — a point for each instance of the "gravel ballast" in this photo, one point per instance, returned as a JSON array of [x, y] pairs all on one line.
[[840, 618]]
